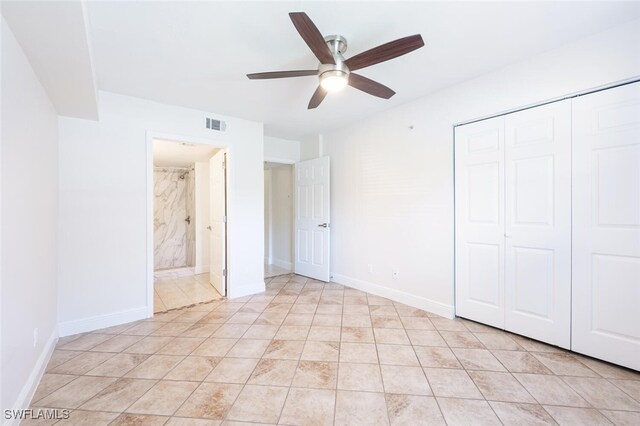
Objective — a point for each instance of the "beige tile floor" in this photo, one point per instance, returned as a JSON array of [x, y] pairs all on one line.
[[271, 271], [179, 292], [305, 352]]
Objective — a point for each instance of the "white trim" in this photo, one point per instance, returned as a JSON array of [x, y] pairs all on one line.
[[201, 269], [164, 274], [428, 305], [552, 100], [279, 160], [97, 322], [269, 201], [283, 264], [150, 136], [246, 290], [270, 216], [150, 248], [29, 389]]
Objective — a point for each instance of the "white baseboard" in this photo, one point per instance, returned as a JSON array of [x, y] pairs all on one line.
[[29, 389], [183, 271], [283, 264], [428, 305], [97, 322], [240, 291], [201, 269]]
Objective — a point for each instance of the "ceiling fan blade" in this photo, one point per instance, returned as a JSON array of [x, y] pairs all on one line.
[[384, 52], [369, 86], [281, 74], [312, 36], [317, 98]]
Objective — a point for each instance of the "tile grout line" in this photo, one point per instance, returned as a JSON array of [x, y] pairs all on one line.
[[284, 403], [231, 311]]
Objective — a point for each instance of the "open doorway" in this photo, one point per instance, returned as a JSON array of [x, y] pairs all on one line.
[[278, 219], [189, 224]]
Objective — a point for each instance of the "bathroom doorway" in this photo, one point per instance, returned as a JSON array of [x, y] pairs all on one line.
[[189, 224]]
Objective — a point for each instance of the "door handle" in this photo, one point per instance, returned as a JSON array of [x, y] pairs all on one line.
[[209, 227], [324, 225]]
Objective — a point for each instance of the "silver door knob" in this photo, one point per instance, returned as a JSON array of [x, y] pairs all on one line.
[[324, 225], [209, 227]]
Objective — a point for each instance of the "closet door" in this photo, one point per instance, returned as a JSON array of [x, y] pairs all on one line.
[[538, 223], [606, 225], [479, 198]]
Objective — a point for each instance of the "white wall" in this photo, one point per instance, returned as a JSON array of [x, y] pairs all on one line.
[[392, 186], [282, 216], [29, 225], [103, 270], [281, 150], [203, 199], [310, 147]]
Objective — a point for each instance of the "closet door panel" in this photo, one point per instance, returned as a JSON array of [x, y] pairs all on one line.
[[606, 225], [538, 223], [479, 197]]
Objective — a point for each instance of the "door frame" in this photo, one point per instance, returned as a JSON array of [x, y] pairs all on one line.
[[224, 271], [284, 162], [150, 136]]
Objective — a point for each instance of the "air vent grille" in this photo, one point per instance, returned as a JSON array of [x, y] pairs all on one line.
[[213, 124]]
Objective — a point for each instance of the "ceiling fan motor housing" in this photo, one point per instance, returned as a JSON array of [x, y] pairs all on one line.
[[337, 45]]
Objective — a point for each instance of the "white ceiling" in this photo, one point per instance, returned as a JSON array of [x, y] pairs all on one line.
[[179, 154], [196, 54]]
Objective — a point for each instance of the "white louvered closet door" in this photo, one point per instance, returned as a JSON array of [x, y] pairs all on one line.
[[479, 198], [538, 223]]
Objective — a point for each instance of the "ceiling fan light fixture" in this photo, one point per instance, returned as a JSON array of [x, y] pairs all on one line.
[[334, 71], [334, 81]]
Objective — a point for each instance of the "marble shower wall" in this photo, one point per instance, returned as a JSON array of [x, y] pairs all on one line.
[[173, 203]]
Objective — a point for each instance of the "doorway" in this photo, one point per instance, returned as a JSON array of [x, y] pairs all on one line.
[[189, 224], [278, 219]]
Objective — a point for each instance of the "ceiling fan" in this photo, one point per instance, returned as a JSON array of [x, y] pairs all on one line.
[[335, 72]]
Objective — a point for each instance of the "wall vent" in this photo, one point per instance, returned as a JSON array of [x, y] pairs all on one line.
[[213, 124]]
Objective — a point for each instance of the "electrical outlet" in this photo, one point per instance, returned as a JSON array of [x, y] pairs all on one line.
[[35, 337], [395, 274]]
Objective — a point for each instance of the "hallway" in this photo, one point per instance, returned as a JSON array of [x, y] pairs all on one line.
[[175, 293], [271, 271]]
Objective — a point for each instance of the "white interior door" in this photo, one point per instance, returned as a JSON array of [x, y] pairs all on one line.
[[312, 223], [479, 198], [218, 222], [538, 223], [606, 225]]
